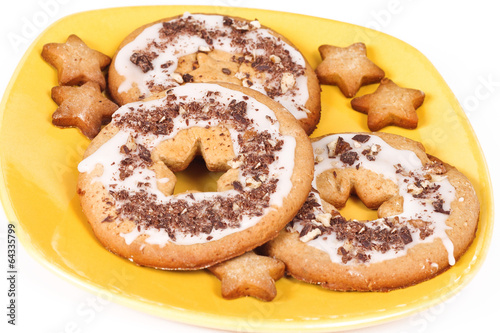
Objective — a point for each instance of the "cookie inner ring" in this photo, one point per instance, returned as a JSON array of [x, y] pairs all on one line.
[[413, 200], [137, 166], [253, 57]]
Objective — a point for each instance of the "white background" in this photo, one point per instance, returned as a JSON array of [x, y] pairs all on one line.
[[459, 37]]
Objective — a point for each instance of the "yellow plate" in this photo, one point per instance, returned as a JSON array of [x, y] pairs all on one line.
[[39, 172]]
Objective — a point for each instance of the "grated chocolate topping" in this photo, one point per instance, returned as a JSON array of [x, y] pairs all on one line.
[[184, 214], [143, 61], [359, 238], [190, 217], [243, 39], [358, 241]]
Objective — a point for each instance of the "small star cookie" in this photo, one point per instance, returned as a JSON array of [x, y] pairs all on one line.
[[84, 107], [209, 67], [390, 105], [249, 275], [75, 62], [347, 67]]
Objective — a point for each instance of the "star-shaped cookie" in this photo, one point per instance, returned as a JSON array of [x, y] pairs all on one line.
[[215, 66], [249, 275], [347, 67], [84, 107], [75, 62], [390, 104]]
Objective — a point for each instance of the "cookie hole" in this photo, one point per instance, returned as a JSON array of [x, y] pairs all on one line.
[[355, 209], [196, 177]]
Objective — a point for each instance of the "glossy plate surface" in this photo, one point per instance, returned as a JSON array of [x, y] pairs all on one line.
[[39, 173]]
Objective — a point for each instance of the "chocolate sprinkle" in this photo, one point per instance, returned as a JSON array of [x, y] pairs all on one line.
[[362, 138], [349, 157], [142, 60], [187, 78], [438, 207]]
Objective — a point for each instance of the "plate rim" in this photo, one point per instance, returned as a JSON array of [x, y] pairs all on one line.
[[226, 322]]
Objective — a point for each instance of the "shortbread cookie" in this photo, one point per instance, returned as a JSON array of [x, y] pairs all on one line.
[[390, 104], [127, 176], [208, 48], [428, 213], [249, 275], [84, 107], [76, 63], [347, 67]]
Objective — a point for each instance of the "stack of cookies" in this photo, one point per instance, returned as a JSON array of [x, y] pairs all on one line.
[[245, 99]]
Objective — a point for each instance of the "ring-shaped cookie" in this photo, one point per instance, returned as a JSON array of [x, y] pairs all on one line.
[[428, 213], [215, 48], [126, 178]]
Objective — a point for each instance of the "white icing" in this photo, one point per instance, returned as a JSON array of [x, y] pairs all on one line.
[[384, 164], [108, 156], [294, 99]]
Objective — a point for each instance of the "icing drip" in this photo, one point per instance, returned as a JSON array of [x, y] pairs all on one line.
[[426, 203]]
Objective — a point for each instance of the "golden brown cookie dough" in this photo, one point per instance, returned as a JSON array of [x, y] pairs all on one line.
[[84, 107], [249, 275], [208, 48], [428, 213], [75, 62], [390, 104], [127, 178], [349, 68]]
